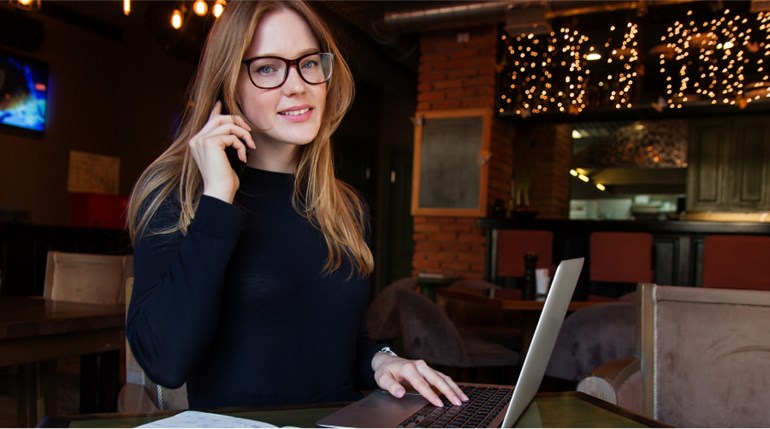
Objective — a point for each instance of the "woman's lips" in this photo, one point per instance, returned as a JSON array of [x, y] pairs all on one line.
[[297, 115]]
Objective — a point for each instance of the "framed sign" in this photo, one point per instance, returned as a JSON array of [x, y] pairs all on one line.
[[451, 150]]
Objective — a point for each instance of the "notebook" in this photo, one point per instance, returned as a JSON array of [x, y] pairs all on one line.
[[502, 405]]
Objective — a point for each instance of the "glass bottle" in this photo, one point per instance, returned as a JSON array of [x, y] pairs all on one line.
[[529, 292]]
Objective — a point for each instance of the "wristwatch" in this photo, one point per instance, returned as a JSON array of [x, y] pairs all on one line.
[[387, 350]]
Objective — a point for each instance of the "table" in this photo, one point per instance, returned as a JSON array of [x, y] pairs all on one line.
[[562, 409], [429, 284], [508, 300], [34, 330]]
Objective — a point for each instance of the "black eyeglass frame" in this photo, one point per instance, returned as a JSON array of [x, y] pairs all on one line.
[[295, 62]]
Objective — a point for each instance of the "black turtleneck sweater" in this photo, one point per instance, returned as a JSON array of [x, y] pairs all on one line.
[[239, 308]]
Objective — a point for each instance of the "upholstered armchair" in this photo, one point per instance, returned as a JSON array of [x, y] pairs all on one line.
[[704, 359], [591, 337], [428, 334], [382, 314]]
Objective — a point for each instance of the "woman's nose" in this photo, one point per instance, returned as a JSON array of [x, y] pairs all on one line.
[[294, 83]]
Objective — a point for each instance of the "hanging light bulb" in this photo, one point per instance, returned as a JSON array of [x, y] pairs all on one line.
[[218, 8], [126, 7], [176, 19], [200, 7]]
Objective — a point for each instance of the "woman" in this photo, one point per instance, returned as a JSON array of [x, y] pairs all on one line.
[[251, 285]]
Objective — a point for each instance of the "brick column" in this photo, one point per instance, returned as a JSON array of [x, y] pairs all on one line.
[[545, 151], [458, 70]]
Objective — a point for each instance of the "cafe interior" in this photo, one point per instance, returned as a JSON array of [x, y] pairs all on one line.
[[491, 139]]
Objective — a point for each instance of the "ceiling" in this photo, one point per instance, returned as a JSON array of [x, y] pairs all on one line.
[[388, 26]]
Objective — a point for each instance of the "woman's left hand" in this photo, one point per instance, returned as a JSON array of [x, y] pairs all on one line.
[[391, 371]]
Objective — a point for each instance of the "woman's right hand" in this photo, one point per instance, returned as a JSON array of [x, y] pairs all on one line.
[[208, 150]]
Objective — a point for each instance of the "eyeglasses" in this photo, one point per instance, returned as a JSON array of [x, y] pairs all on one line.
[[271, 72]]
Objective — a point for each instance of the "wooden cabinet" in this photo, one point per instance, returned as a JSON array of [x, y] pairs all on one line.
[[729, 164]]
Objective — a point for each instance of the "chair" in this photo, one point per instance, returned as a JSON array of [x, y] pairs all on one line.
[[704, 357], [591, 337], [382, 315], [428, 334], [620, 258], [736, 261], [513, 244], [84, 278], [140, 394]]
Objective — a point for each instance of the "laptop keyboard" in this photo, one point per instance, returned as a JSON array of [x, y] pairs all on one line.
[[484, 403]]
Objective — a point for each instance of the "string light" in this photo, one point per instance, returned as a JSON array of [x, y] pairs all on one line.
[[716, 58], [26, 4], [719, 61], [218, 8], [176, 19], [200, 7], [552, 73]]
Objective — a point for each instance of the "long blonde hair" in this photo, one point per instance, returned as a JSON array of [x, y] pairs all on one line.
[[329, 204]]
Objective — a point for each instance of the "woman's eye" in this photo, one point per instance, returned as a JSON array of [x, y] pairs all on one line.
[[266, 69], [309, 64]]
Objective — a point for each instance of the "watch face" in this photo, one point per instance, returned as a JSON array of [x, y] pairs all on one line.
[[388, 350]]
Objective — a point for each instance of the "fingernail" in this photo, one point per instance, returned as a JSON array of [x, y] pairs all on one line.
[[399, 392], [438, 403], [456, 401]]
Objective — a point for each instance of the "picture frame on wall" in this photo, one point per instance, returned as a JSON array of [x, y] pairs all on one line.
[[451, 169]]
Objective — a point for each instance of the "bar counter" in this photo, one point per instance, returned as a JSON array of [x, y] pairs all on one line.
[[677, 244]]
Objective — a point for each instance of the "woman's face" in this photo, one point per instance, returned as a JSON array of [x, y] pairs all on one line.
[[291, 113]]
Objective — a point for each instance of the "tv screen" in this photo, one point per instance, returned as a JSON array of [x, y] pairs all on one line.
[[23, 92]]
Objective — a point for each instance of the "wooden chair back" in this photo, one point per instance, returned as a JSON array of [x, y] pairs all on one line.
[[87, 278]]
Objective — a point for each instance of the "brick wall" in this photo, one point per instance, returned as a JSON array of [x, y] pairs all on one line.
[[457, 71], [545, 151]]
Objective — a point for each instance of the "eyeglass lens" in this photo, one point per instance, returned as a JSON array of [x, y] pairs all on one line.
[[271, 72]]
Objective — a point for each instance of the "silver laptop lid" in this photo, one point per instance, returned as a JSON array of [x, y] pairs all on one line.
[[544, 338]]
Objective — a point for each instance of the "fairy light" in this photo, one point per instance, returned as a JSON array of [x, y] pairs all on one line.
[[558, 72], [720, 60], [176, 19], [218, 8], [200, 7]]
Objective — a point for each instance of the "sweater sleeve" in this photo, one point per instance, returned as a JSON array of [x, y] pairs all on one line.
[[366, 348], [175, 304]]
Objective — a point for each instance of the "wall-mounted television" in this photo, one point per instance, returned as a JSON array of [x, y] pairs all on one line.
[[23, 92]]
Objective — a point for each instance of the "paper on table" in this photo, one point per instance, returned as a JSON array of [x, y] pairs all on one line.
[[197, 419]]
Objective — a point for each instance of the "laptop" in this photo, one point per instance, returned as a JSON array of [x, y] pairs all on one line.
[[503, 405]]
